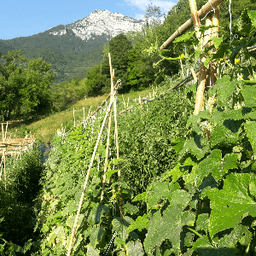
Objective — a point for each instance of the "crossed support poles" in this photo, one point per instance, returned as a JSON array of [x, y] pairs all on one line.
[[207, 75]]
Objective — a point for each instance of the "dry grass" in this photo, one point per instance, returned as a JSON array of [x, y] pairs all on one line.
[[47, 127]]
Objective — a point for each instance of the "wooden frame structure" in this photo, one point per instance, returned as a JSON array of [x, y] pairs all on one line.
[[207, 75], [15, 146]]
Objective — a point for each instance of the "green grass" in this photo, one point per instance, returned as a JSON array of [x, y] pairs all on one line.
[[46, 127]]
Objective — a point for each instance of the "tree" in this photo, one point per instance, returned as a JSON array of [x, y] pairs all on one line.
[[95, 81], [140, 72], [24, 85], [119, 48]]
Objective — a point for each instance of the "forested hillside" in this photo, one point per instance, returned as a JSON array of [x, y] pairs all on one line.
[[172, 174]]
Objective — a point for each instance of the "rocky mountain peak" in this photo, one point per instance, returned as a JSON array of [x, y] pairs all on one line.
[[100, 23]]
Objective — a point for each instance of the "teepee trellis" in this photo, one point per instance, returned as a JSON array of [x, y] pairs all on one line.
[[207, 75], [208, 7], [108, 113]]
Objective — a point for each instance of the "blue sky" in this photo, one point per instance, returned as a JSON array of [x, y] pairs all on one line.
[[25, 18]]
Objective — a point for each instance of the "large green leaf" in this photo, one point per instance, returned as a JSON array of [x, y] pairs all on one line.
[[134, 248], [229, 162], [207, 166], [239, 234], [158, 191], [120, 225], [249, 94], [92, 252], [224, 89], [170, 225], [252, 15], [195, 147], [231, 204], [221, 135], [140, 223], [250, 128]]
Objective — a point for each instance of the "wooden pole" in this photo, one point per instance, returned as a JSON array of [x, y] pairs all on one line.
[[6, 130], [86, 181], [109, 129], [213, 66], [106, 158], [4, 170], [193, 74], [202, 74], [2, 131], [74, 117], [203, 11], [83, 114], [215, 32], [123, 100]]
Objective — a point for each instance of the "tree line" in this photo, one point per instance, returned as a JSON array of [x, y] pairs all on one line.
[[27, 89]]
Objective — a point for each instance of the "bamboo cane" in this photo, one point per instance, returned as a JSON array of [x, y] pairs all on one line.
[[123, 100], [109, 129], [202, 74], [104, 102], [4, 170], [1, 172], [201, 13], [117, 154], [106, 158], [6, 130], [207, 36], [213, 69], [86, 181], [182, 70], [193, 74], [2, 131]]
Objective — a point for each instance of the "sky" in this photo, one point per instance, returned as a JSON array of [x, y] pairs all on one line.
[[28, 17]]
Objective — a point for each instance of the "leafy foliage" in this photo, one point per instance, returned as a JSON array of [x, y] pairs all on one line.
[[24, 85], [184, 190], [146, 148], [19, 204]]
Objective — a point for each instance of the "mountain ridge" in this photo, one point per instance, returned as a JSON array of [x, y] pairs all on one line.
[[74, 48]]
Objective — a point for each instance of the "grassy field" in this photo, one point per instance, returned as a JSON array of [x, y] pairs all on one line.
[[45, 128]]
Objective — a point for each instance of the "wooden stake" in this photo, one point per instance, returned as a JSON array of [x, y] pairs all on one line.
[[106, 158], [123, 100], [182, 70], [193, 74], [203, 11], [74, 117], [4, 170], [6, 130], [86, 181], [2, 131], [83, 114], [202, 75], [109, 129], [213, 66]]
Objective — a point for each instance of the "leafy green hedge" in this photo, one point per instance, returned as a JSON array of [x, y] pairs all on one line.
[[206, 203], [146, 135], [19, 204]]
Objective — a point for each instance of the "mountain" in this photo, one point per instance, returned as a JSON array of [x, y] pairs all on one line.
[[100, 23], [74, 48]]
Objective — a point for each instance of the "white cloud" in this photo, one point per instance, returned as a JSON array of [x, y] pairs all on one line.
[[165, 6]]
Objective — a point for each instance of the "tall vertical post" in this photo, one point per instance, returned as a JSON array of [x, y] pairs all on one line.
[[199, 102]]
